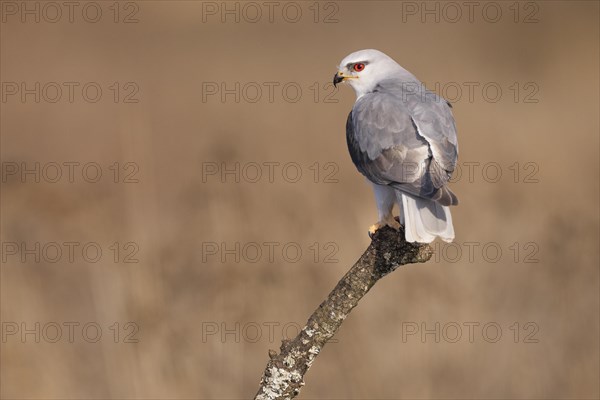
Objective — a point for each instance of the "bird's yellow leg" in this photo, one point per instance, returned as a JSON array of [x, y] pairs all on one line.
[[388, 220]]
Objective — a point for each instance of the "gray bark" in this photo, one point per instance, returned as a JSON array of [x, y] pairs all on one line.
[[284, 375]]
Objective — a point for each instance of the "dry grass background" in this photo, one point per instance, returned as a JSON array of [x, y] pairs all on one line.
[[171, 293]]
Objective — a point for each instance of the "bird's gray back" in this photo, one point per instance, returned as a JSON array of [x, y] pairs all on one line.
[[401, 137]]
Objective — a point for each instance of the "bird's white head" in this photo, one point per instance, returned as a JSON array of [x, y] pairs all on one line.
[[364, 69]]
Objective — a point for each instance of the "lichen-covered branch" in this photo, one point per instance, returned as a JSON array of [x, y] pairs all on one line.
[[284, 375]]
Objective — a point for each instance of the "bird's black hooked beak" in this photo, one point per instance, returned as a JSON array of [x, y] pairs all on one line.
[[337, 78]]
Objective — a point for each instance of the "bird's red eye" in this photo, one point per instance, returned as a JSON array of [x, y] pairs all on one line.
[[359, 67]]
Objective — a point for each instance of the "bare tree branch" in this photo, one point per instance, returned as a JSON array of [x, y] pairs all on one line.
[[284, 375]]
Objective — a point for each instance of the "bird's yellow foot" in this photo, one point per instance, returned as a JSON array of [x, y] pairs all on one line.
[[391, 222]]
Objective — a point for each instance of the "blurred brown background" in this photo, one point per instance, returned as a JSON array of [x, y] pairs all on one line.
[[202, 321]]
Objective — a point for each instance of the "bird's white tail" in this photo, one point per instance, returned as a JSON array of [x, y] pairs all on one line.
[[424, 220]]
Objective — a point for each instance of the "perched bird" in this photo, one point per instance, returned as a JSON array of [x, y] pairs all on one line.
[[402, 137]]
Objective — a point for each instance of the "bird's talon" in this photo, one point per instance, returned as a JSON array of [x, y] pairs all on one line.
[[374, 228], [392, 223]]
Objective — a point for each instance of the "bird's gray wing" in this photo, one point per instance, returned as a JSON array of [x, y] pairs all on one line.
[[433, 118], [386, 147]]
